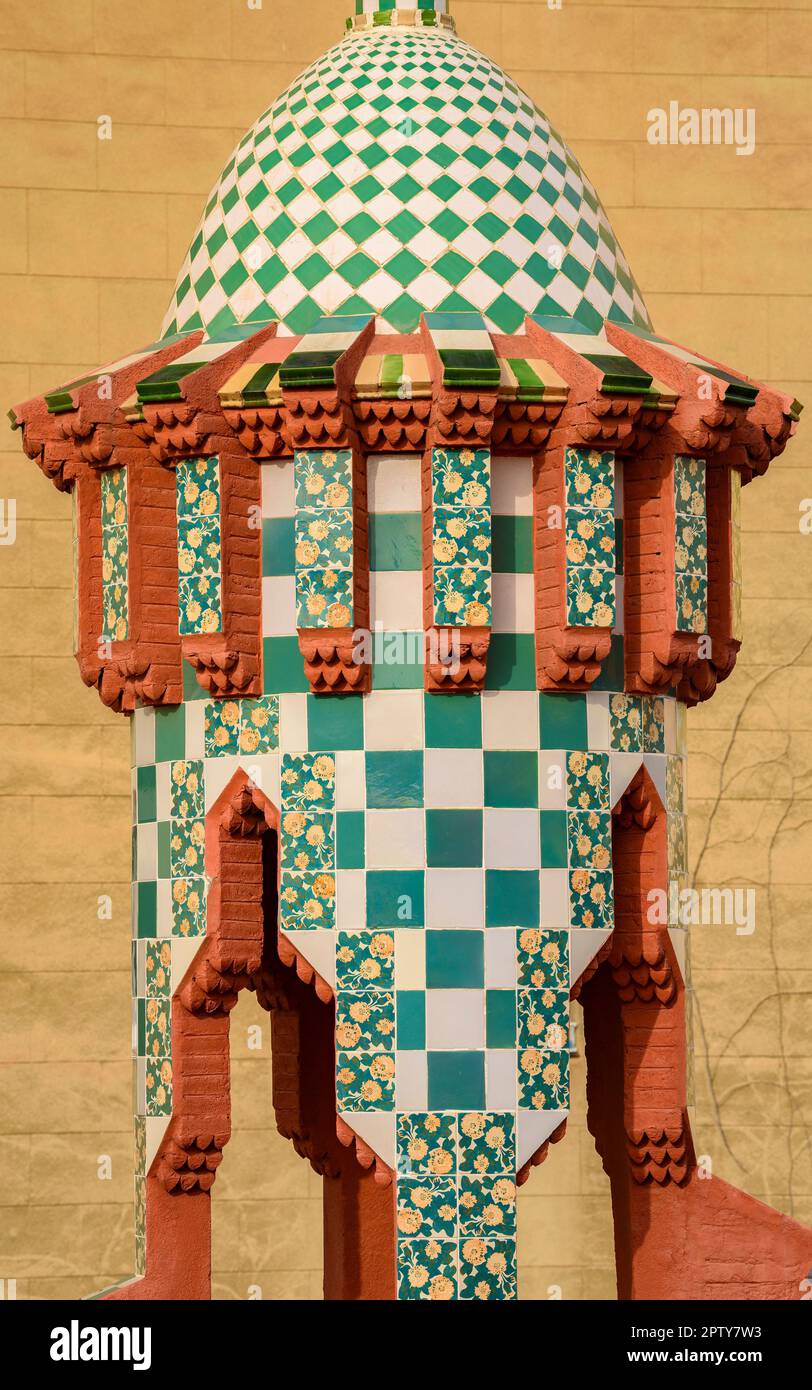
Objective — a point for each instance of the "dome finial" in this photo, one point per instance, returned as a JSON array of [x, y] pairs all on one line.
[[371, 13]]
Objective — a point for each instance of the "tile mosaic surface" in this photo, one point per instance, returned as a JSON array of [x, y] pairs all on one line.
[[323, 538], [461, 537], [403, 171], [691, 544], [446, 861], [115, 554], [199, 545], [589, 482]]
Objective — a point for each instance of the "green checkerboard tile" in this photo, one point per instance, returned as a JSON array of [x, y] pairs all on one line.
[[453, 839], [402, 172], [350, 840], [394, 779], [511, 778], [453, 721], [395, 541]]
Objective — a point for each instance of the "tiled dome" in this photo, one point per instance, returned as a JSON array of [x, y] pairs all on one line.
[[402, 172]]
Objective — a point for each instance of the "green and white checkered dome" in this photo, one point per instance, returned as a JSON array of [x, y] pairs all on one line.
[[402, 172]]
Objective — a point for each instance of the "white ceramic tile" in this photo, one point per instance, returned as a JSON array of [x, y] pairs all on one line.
[[554, 899], [143, 736], [163, 803], [512, 486], [147, 851], [597, 719], [278, 494], [534, 1128], [184, 950], [393, 482], [411, 1081], [670, 716], [585, 942], [351, 899], [375, 1128], [410, 958], [454, 777], [279, 606], [552, 779], [513, 603], [511, 838], [195, 716], [155, 1129], [218, 773], [500, 1079], [395, 839], [455, 898], [164, 913], [350, 780], [655, 766], [293, 723], [319, 949], [455, 1019], [510, 719], [393, 719], [622, 767], [500, 958], [396, 600]]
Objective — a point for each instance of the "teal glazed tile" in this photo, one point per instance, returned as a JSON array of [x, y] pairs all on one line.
[[221, 728], [591, 899], [159, 1086], [543, 1080], [487, 1142], [158, 965], [394, 779], [397, 661], [553, 831], [308, 781], [187, 843], [511, 898], [511, 661], [454, 839], [589, 478], [146, 896], [462, 537], [589, 836], [334, 722], [543, 958], [487, 1269], [323, 541], [170, 733], [500, 1018], [692, 602], [427, 1206], [590, 596], [612, 673], [427, 1143], [487, 1205], [365, 1019], [411, 1020], [462, 596], [307, 841], [511, 778], [324, 598], [395, 897], [427, 1270], [365, 960], [513, 544], [395, 541], [350, 840], [186, 790], [306, 900], [453, 721], [282, 667], [562, 721], [155, 1012], [455, 959], [278, 546], [146, 794], [365, 1081], [461, 477], [653, 722], [188, 907], [626, 723], [192, 690], [323, 479], [588, 781], [543, 1019], [456, 1079], [590, 538]]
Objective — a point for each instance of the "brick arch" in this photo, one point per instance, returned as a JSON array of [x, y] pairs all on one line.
[[241, 950], [677, 1235]]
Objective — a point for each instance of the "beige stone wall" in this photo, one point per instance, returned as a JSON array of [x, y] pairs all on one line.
[[91, 234]]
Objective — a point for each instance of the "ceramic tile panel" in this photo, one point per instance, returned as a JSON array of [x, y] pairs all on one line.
[[323, 538], [115, 555], [590, 537], [461, 537], [691, 544], [199, 546]]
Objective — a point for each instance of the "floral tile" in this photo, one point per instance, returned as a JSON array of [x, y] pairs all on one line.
[[187, 801], [307, 840], [115, 583], [199, 605], [487, 1142], [625, 723], [427, 1143], [156, 1027], [689, 485], [198, 487], [198, 546], [308, 781], [674, 784], [307, 900], [487, 1269], [323, 479], [187, 845], [543, 958], [259, 724], [692, 602], [677, 844], [188, 907], [544, 1019], [365, 1081], [140, 1205], [589, 478], [463, 538], [365, 960], [427, 1270], [427, 1206], [543, 1080], [323, 540], [159, 1086], [590, 596], [158, 959], [140, 1127], [653, 723], [221, 728], [365, 1020], [487, 1205], [461, 477], [591, 899], [462, 596], [590, 538], [691, 545], [324, 598], [589, 839], [588, 781]]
